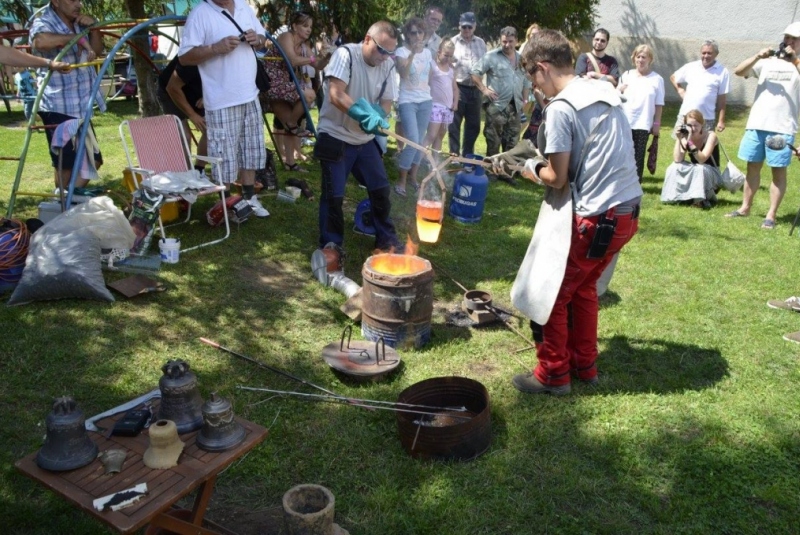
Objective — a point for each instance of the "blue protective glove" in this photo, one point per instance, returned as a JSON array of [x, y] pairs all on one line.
[[368, 117]]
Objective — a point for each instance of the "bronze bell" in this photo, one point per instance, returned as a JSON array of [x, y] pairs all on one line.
[[220, 430], [180, 397], [67, 445]]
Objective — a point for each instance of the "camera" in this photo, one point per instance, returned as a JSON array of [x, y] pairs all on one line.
[[779, 52], [243, 38], [683, 130]]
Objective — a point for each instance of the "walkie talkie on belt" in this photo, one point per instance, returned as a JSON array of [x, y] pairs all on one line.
[[603, 235]]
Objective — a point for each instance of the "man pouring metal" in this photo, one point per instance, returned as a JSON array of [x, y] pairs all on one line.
[[590, 212]]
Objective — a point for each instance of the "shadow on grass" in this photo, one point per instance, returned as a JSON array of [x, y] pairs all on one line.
[[657, 366]]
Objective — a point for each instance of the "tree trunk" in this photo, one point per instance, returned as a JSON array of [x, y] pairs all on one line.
[[145, 76]]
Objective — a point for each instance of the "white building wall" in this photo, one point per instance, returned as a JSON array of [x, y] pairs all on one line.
[[676, 29]]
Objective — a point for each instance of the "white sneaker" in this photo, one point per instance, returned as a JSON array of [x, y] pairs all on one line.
[[258, 210]]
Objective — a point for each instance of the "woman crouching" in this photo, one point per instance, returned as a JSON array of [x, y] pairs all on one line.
[[697, 180]]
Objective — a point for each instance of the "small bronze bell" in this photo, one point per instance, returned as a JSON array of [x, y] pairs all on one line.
[[180, 397], [67, 445], [220, 430]]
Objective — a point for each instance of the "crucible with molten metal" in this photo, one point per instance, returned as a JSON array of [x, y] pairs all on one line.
[[397, 299]]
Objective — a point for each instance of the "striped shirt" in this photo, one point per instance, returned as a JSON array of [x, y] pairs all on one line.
[[66, 93], [467, 54]]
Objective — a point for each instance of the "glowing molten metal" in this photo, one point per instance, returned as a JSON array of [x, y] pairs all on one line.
[[398, 264]]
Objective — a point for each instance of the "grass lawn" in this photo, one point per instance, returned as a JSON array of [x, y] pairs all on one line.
[[694, 429]]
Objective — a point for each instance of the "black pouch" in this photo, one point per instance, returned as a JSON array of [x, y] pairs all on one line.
[[602, 237], [328, 148], [262, 78]]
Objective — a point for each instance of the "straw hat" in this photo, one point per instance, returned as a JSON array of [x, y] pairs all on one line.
[[165, 446]]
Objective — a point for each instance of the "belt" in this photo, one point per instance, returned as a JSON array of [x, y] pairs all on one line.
[[465, 85], [621, 211]]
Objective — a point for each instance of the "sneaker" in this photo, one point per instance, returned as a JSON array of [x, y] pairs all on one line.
[[793, 303], [792, 337], [258, 210], [528, 383]]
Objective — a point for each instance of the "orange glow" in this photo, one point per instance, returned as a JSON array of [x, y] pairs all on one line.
[[397, 264], [429, 220]]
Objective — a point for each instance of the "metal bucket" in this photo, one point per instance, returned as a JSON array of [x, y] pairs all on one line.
[[458, 435], [397, 307]]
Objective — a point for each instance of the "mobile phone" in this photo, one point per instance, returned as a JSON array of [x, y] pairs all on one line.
[[132, 423]]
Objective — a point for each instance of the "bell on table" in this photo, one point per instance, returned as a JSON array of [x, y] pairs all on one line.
[[165, 446], [67, 445], [180, 397], [430, 209], [220, 430]]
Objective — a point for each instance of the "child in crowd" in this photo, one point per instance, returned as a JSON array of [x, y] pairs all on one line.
[[26, 90], [444, 91]]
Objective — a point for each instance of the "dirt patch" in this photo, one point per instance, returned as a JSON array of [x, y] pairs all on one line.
[[272, 277], [268, 521]]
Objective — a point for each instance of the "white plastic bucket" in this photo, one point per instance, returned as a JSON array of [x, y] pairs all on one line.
[[170, 249]]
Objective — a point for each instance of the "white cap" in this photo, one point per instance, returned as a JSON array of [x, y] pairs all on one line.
[[793, 29]]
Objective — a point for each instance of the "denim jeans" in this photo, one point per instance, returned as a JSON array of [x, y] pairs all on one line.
[[366, 164], [415, 117]]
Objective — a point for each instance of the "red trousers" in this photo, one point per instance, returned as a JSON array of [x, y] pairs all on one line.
[[568, 341]]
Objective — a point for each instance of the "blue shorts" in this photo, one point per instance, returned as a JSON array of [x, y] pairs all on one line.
[[753, 148]]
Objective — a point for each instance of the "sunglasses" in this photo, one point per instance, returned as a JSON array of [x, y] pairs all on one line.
[[535, 67], [467, 26], [381, 50]]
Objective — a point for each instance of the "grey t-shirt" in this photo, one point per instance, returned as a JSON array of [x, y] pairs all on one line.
[[608, 178], [364, 81]]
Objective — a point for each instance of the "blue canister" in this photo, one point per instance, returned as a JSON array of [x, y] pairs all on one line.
[[469, 193]]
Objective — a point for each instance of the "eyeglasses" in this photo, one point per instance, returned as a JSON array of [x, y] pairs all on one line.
[[535, 67], [381, 50], [467, 26], [416, 32]]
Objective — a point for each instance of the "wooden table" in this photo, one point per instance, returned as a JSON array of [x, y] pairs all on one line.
[[196, 469]]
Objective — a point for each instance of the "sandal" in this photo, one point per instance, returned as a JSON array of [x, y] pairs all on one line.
[[768, 224], [415, 186], [295, 168], [400, 191], [736, 213], [297, 131]]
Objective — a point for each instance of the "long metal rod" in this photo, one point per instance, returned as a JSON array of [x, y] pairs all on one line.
[[355, 402], [400, 404], [272, 368]]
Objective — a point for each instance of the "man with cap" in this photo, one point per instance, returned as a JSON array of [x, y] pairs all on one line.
[[774, 113], [469, 50], [703, 85]]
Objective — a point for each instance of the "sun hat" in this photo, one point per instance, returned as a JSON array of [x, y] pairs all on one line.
[[793, 29]]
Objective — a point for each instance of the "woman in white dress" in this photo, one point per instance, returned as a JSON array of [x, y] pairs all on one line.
[[697, 180], [643, 89]]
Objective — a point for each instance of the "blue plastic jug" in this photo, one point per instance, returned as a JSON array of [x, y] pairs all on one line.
[[469, 193]]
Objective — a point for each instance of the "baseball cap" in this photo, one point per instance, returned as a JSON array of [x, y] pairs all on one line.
[[467, 18], [793, 29]]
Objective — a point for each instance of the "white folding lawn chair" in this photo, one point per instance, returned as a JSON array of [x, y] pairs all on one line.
[[156, 145]]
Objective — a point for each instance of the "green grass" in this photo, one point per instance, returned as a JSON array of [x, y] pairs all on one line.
[[694, 430]]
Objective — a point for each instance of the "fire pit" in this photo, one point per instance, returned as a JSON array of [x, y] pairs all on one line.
[[452, 433], [397, 300]]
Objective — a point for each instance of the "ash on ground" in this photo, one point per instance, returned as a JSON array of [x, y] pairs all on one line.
[[458, 318]]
